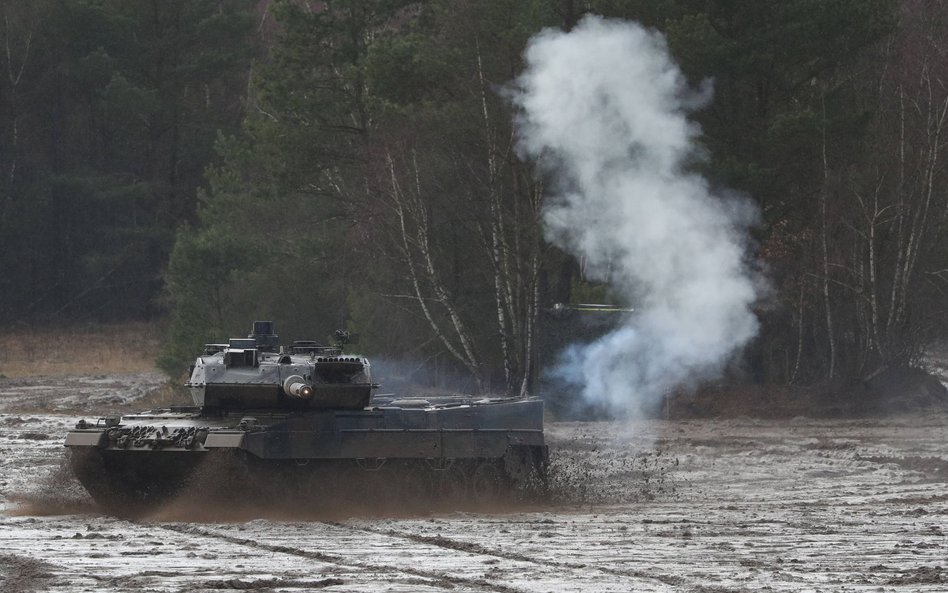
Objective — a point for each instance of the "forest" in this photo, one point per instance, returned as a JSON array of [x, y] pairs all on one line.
[[354, 164]]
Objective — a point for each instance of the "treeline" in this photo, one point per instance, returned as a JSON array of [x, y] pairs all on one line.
[[354, 163], [109, 110]]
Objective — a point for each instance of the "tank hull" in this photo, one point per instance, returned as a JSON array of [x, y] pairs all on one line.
[[455, 448]]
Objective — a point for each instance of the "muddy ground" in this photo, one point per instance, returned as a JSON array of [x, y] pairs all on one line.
[[704, 506]]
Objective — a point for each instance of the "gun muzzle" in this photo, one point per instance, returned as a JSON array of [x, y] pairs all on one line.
[[295, 386]]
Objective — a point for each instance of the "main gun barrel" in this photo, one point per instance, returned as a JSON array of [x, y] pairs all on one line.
[[295, 386]]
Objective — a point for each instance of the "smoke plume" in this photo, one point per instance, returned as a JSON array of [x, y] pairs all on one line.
[[604, 111]]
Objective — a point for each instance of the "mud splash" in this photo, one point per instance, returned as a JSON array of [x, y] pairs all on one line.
[[578, 475], [58, 493]]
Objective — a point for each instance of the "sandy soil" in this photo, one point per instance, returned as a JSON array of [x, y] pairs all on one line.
[[92, 394], [704, 506]]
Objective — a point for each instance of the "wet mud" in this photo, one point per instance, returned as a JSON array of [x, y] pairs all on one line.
[[695, 506]]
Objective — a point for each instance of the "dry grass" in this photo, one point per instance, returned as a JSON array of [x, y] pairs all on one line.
[[165, 395], [90, 349]]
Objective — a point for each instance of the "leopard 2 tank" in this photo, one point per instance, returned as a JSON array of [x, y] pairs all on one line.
[[302, 423]]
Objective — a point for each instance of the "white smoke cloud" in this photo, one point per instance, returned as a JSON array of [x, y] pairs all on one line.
[[604, 110]]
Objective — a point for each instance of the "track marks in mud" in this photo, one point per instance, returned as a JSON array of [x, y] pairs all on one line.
[[242, 585], [19, 574], [923, 575], [451, 562], [498, 552], [935, 468], [431, 578]]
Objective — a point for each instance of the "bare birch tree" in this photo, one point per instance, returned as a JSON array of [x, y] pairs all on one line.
[[898, 211], [414, 233], [17, 46]]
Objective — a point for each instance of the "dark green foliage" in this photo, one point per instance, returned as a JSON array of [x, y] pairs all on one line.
[[772, 63], [366, 109], [292, 159], [790, 114], [110, 109], [282, 199]]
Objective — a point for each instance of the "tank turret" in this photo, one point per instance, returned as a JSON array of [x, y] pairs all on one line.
[[255, 372]]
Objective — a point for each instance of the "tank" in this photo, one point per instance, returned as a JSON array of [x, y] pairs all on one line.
[[303, 423]]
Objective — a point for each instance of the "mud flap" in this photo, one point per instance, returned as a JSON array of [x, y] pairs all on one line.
[[224, 440], [85, 438]]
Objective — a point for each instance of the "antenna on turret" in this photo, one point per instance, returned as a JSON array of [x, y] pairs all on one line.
[[344, 337]]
